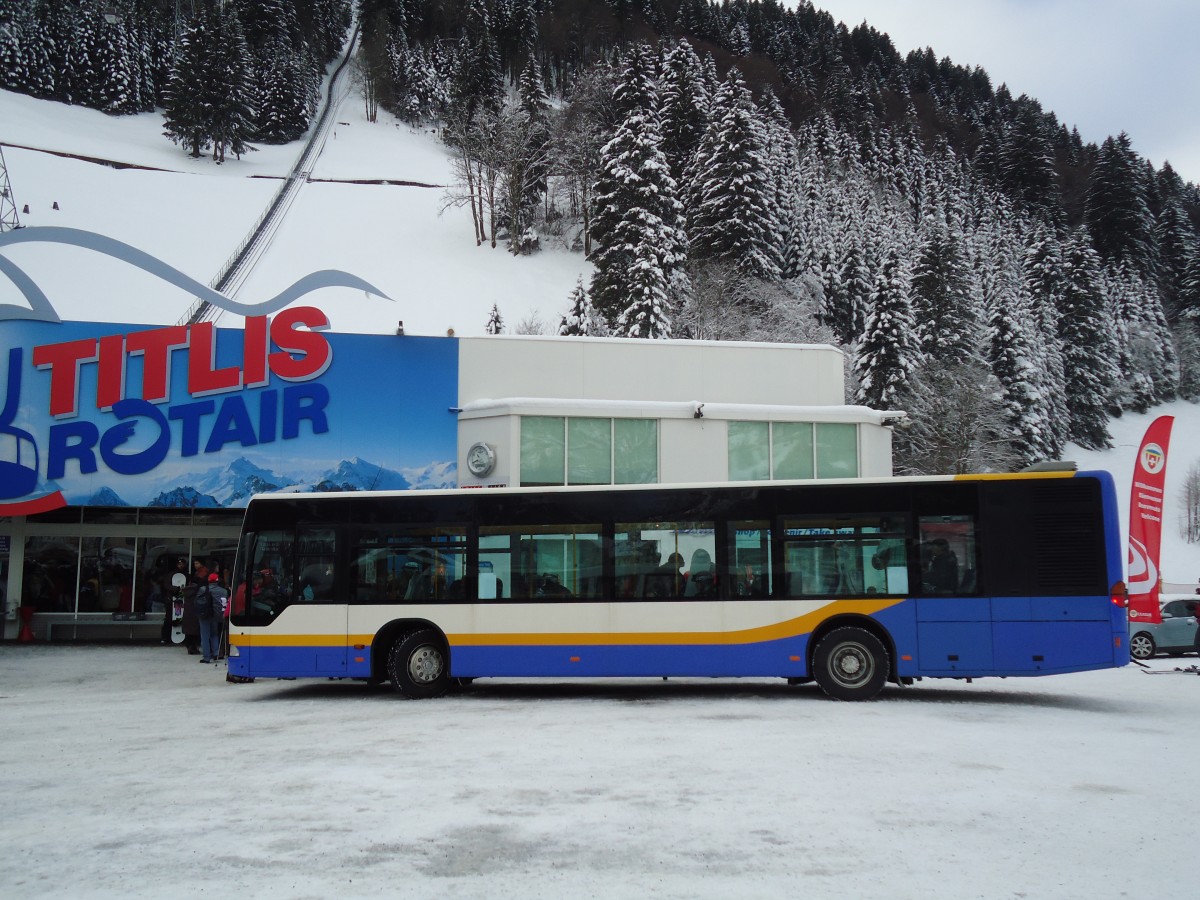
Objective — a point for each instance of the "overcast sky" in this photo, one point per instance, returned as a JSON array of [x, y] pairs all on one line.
[[1104, 66]]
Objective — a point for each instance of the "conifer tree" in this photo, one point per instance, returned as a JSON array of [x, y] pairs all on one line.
[[187, 118], [648, 313], [1085, 330], [683, 108], [888, 355], [495, 324], [635, 207], [1011, 353], [947, 324], [1118, 214], [1027, 159], [581, 320], [285, 98], [230, 90], [730, 216]]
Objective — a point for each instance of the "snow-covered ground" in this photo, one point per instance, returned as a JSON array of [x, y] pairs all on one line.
[[137, 772]]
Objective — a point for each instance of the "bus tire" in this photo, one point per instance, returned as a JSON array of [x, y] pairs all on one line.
[[850, 664], [419, 665]]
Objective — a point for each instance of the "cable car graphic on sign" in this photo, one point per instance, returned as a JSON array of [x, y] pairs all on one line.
[[19, 460]]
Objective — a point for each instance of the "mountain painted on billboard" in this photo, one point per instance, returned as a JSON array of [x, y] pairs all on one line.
[[233, 485], [106, 496], [185, 497]]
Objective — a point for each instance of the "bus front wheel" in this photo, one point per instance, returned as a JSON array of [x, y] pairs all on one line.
[[419, 665], [850, 664]]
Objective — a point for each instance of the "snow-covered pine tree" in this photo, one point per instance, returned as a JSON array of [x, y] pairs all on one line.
[[648, 313], [888, 354], [636, 90], [478, 82], [231, 89], [1027, 159], [284, 100], [495, 324], [581, 319], [944, 310], [1118, 214], [850, 293], [1085, 330], [683, 111], [729, 202], [1012, 356], [635, 204], [187, 117]]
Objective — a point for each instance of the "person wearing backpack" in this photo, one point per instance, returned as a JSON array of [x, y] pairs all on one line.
[[210, 609]]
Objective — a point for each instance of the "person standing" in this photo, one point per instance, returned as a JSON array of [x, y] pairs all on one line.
[[210, 611]]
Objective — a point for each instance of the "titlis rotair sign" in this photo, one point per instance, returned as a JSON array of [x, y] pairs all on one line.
[[84, 398]]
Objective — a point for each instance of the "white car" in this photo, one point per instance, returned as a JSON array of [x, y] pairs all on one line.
[[1175, 634]]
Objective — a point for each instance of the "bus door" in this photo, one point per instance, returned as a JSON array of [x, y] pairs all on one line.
[[954, 623], [290, 592]]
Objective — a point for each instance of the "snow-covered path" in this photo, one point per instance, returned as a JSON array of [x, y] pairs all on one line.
[[137, 772]]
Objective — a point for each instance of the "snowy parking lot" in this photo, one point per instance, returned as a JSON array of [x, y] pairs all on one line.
[[134, 771]]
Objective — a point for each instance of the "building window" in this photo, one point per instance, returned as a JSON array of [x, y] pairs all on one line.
[[585, 450], [837, 450], [749, 451], [792, 450], [759, 451], [589, 451], [636, 441], [543, 450]]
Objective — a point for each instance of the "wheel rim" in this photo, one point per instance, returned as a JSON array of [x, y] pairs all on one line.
[[1141, 647], [425, 664], [851, 664]]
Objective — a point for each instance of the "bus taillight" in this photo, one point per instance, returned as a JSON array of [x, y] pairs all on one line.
[[1120, 596]]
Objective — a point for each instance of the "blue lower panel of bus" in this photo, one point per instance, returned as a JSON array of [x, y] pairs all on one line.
[[783, 658], [299, 662]]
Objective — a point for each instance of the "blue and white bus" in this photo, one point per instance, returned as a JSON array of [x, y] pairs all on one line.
[[851, 584]]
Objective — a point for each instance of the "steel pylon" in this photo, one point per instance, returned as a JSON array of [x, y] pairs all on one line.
[[8, 204]]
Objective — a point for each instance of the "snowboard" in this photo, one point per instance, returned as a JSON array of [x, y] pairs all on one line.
[[178, 580]]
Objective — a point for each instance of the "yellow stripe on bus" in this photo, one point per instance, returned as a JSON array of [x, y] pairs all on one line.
[[775, 631]]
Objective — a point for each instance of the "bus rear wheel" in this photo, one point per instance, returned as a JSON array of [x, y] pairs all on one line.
[[850, 664], [419, 665]]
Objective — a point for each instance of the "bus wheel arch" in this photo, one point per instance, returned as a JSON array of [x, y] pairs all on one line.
[[415, 657], [852, 658]]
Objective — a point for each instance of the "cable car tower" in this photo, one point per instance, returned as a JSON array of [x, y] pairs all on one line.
[[8, 205]]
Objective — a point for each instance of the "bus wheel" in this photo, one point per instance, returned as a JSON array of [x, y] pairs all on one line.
[[850, 664], [419, 665]]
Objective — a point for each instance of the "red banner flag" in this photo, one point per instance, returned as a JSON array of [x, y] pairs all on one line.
[[1145, 521]]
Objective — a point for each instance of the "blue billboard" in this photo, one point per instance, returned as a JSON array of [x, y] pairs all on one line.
[[197, 416]]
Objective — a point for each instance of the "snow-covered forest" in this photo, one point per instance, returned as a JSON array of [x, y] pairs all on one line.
[[741, 170]]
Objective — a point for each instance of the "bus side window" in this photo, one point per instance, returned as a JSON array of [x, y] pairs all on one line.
[[847, 556], [947, 555]]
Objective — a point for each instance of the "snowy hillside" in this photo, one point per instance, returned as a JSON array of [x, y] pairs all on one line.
[[193, 214]]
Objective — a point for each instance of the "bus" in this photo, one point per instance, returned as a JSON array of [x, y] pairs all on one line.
[[852, 583]]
